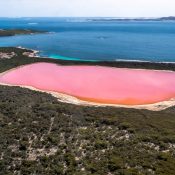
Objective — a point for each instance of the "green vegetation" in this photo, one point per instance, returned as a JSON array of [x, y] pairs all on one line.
[[13, 32], [40, 135]]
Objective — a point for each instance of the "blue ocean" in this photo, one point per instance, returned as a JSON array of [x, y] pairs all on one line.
[[89, 39]]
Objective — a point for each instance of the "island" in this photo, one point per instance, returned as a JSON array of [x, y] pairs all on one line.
[[41, 134], [13, 32]]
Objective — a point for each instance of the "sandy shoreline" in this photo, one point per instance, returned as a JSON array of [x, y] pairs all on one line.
[[62, 97], [73, 100]]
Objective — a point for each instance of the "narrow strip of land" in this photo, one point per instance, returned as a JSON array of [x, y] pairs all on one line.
[[13, 32]]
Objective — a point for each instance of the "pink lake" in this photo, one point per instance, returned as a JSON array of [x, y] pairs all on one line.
[[96, 83]]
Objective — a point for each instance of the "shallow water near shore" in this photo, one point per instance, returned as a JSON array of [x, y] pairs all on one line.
[[54, 56], [82, 39]]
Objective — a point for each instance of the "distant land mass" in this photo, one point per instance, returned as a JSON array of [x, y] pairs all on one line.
[[168, 18], [13, 32], [92, 19], [172, 18]]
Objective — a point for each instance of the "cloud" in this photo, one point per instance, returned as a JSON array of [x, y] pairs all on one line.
[[118, 8]]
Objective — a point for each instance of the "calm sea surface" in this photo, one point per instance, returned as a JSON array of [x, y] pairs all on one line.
[[79, 38]]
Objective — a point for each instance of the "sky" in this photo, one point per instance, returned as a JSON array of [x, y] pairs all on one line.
[[87, 8]]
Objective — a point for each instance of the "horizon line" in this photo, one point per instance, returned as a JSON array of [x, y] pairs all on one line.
[[86, 17]]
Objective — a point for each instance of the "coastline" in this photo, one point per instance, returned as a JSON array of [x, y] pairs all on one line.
[[136, 64], [97, 61], [35, 57]]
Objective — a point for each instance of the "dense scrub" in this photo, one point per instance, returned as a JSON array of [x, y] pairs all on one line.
[[13, 32], [42, 136]]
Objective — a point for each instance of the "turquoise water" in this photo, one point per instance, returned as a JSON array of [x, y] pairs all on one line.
[[82, 39], [69, 58]]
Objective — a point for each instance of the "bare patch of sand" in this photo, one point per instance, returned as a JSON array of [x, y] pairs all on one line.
[[4, 55]]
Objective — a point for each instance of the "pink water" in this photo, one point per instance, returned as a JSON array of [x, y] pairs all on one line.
[[97, 84]]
